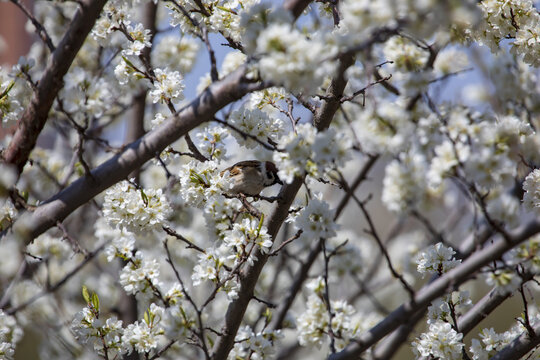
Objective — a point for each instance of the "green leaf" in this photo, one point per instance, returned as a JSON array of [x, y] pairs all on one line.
[[210, 340], [195, 177], [226, 9], [146, 317], [10, 86], [130, 64], [85, 294], [144, 197], [268, 314], [95, 301], [260, 225]]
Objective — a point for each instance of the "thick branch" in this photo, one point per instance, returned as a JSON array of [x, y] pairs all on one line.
[[296, 6], [34, 117], [236, 310], [520, 346], [200, 110], [425, 296]]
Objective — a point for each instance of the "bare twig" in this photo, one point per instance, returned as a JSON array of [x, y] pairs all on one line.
[[286, 242], [40, 29], [59, 284], [189, 244], [245, 135]]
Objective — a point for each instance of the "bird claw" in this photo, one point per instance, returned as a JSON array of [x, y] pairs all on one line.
[[270, 199]]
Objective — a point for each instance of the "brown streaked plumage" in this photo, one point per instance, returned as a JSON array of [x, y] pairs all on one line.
[[250, 177]]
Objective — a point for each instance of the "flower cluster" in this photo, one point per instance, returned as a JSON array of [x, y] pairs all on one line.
[[201, 183], [212, 266], [244, 236], [211, 142], [122, 246], [491, 342], [168, 86], [255, 123], [315, 323], [101, 334], [10, 334], [220, 17], [251, 345], [505, 280], [404, 183], [436, 259], [531, 186], [441, 341], [143, 336], [177, 54], [140, 275], [136, 210], [292, 60], [316, 220], [484, 150], [310, 152], [239, 246], [88, 326], [10, 97], [177, 320], [84, 96], [516, 19], [526, 255], [442, 309]]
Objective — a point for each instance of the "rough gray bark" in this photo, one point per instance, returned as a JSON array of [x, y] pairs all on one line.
[[201, 109]]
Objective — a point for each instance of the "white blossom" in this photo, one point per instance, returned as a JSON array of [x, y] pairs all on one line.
[[248, 344], [140, 275], [10, 334], [143, 336], [316, 220], [168, 86], [255, 123], [517, 19], [436, 259], [491, 342], [293, 60], [137, 210], [505, 281], [441, 341], [404, 183], [244, 235], [314, 324], [201, 183], [122, 246], [211, 142], [179, 54], [531, 185], [88, 326], [310, 152]]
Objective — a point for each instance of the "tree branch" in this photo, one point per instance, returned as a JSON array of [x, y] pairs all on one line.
[[425, 296], [248, 278], [34, 117], [520, 346], [134, 155]]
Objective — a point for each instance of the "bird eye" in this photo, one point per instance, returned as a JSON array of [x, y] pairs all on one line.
[[270, 175]]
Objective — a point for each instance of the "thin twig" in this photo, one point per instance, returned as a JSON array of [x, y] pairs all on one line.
[[40, 29], [245, 135], [59, 284], [286, 242], [189, 244]]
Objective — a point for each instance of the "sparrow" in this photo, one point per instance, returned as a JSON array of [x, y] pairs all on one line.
[[250, 177]]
